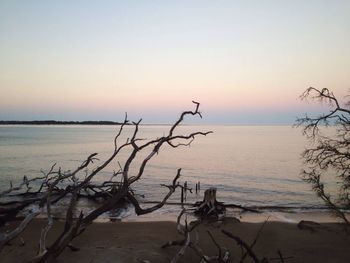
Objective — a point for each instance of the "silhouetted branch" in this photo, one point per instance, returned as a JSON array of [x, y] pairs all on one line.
[[57, 185], [255, 239], [243, 244], [172, 188], [217, 246], [331, 152]]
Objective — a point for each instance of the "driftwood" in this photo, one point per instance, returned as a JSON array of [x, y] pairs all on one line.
[[191, 240], [248, 249], [57, 185], [310, 226], [210, 206]]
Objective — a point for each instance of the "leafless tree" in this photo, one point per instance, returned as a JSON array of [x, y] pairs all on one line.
[[329, 150], [55, 185]]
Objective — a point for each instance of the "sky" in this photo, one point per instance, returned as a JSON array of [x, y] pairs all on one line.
[[246, 62]]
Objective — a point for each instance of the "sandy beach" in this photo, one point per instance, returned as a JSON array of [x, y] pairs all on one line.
[[142, 241]]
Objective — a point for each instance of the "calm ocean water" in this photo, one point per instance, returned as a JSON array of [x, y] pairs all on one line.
[[249, 165]]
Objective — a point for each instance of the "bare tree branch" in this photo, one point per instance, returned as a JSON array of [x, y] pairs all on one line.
[[57, 185], [243, 244], [331, 153]]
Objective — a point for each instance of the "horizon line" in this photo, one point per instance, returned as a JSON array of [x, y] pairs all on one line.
[[111, 123]]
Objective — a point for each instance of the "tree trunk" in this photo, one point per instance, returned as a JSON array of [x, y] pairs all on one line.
[[210, 206]]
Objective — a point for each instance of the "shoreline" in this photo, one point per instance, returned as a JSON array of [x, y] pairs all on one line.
[[138, 241], [170, 212]]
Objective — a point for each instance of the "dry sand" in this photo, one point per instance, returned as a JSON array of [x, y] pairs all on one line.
[[138, 241]]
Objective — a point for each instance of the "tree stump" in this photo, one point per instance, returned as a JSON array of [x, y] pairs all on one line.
[[210, 206]]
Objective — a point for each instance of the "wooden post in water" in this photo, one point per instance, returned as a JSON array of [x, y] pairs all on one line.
[[182, 195]]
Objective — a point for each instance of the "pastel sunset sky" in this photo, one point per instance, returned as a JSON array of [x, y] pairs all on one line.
[[245, 61]]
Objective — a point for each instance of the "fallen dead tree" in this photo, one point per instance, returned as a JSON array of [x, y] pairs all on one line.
[[56, 185]]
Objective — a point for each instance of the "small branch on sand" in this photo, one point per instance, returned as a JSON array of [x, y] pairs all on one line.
[[187, 230], [243, 244]]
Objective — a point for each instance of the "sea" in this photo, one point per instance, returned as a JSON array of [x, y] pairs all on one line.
[[252, 166]]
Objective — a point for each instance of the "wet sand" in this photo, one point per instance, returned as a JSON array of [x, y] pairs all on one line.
[[139, 241]]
